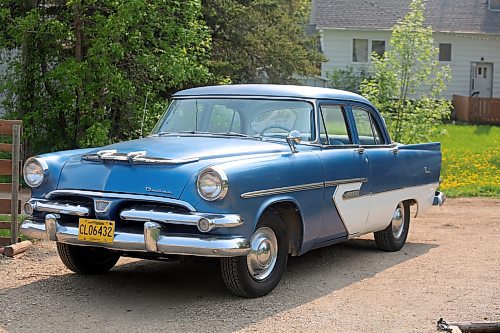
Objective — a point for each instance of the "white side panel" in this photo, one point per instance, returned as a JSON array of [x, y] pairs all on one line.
[[382, 206], [385, 203], [354, 212]]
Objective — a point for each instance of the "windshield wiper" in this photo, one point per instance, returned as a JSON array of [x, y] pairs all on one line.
[[240, 135], [231, 134], [192, 132], [180, 132]]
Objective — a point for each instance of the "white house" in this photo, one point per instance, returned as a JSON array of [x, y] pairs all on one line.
[[467, 33]]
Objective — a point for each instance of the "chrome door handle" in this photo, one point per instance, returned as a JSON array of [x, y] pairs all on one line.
[[360, 150], [395, 150]]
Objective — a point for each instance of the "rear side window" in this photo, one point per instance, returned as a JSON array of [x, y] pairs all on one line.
[[368, 131], [334, 130]]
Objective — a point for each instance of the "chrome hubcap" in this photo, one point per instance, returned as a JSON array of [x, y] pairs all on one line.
[[397, 221], [263, 254]]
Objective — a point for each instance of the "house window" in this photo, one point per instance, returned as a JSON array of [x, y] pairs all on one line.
[[360, 50], [494, 4], [444, 52], [378, 46]]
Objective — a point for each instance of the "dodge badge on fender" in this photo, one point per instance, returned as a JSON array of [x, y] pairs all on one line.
[[247, 173]]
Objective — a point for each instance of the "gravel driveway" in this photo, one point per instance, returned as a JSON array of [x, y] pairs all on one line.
[[449, 268]]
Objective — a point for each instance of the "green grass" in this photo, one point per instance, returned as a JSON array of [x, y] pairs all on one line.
[[471, 160], [6, 232]]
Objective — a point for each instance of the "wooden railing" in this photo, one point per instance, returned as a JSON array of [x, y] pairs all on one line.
[[477, 109], [10, 167]]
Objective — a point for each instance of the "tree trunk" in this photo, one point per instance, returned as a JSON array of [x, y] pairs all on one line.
[[28, 62], [79, 40]]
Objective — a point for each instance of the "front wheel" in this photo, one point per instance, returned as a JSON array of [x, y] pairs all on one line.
[[259, 272], [87, 260], [393, 238]]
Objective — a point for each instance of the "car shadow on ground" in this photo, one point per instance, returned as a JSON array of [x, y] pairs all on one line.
[[170, 296]]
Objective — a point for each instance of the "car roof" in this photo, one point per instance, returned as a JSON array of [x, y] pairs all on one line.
[[272, 90]]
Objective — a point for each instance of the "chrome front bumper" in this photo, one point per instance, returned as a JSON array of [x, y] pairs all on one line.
[[152, 240]]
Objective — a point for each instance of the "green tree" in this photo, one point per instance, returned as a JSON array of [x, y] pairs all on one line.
[[256, 39], [410, 67], [347, 78], [84, 67]]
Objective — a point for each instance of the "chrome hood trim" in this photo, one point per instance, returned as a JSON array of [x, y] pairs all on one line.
[[135, 157]]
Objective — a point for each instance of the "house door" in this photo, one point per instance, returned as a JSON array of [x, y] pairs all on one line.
[[481, 79]]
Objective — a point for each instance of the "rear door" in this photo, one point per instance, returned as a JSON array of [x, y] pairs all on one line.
[[385, 173]]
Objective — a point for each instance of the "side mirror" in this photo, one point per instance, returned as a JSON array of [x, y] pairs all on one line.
[[293, 138]]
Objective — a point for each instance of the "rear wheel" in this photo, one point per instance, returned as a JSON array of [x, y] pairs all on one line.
[[259, 272], [393, 238], [87, 260]]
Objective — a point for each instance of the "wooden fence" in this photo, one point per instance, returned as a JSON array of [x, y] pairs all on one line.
[[10, 167], [477, 109]]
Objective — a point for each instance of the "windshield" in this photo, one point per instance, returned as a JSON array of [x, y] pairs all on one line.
[[239, 117]]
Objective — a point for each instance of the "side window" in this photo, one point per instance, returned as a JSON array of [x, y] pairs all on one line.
[[334, 126], [224, 119], [368, 131]]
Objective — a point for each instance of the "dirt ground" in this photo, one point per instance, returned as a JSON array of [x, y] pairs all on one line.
[[449, 268]]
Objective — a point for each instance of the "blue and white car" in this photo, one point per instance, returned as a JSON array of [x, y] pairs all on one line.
[[247, 173]]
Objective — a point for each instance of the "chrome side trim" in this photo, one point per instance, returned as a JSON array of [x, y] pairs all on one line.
[[58, 208], [304, 187], [139, 197], [331, 183], [150, 241], [216, 220], [350, 194], [280, 190]]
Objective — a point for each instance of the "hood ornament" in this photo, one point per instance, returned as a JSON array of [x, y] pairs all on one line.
[[134, 157]]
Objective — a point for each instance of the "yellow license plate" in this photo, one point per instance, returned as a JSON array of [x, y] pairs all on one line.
[[99, 231]]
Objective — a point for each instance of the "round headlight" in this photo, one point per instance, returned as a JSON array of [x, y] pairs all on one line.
[[35, 170], [212, 184]]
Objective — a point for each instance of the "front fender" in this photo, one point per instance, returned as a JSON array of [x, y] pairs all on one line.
[[276, 172], [55, 162]]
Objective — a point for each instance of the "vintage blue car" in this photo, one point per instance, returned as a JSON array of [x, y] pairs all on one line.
[[247, 173]]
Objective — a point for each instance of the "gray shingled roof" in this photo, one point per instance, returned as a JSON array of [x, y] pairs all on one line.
[[471, 16]]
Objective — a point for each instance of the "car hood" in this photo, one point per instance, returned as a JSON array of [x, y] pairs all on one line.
[[188, 154]]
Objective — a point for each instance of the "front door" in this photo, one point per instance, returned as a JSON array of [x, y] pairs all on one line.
[[346, 172], [481, 79]]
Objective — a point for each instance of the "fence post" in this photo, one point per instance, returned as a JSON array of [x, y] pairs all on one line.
[[14, 204]]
